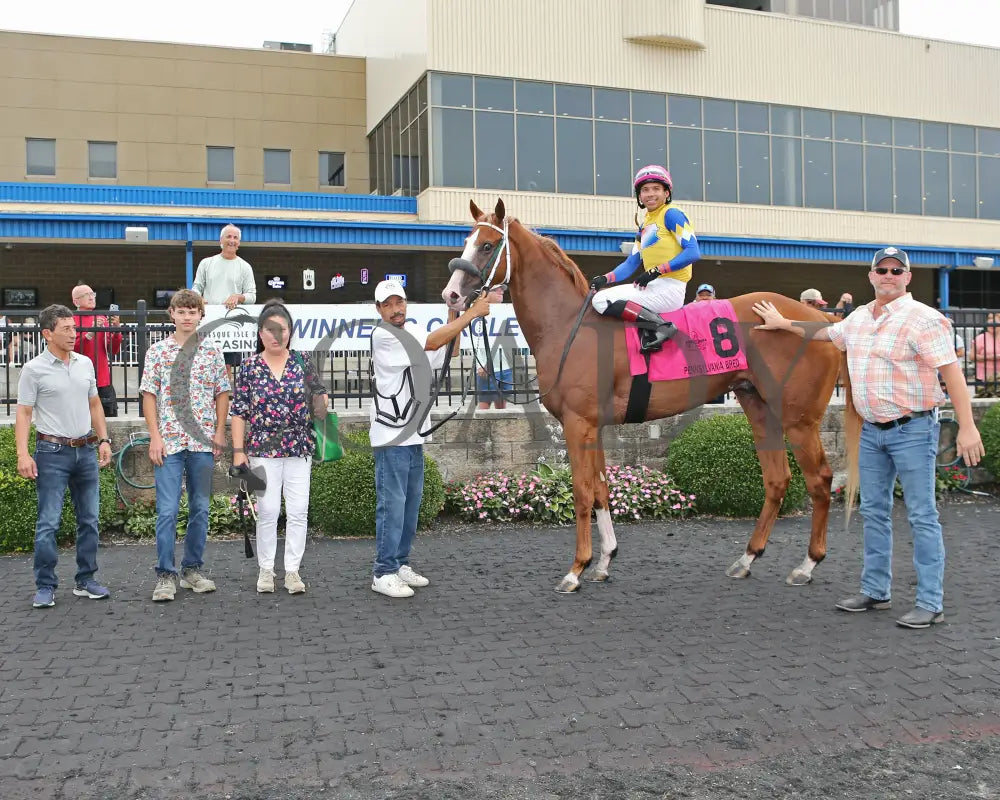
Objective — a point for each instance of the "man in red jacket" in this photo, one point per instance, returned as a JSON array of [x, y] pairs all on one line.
[[97, 345]]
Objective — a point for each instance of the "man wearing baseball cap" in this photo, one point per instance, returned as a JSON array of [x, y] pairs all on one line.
[[896, 347], [705, 292], [395, 424], [812, 297]]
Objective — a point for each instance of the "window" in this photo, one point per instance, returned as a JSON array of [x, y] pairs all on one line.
[[575, 155], [906, 173], [536, 161], [220, 165], [494, 150], [935, 136], [786, 171], [989, 188], [817, 124], [611, 104], [720, 114], [937, 193], [686, 162], [454, 155], [818, 169], [847, 127], [103, 159], [331, 169], [534, 97], [278, 166], [574, 101], [451, 90], [40, 156], [963, 186], [906, 133], [878, 179], [752, 117], [649, 108], [649, 145], [684, 112], [495, 94], [849, 176], [720, 166], [611, 158], [755, 169]]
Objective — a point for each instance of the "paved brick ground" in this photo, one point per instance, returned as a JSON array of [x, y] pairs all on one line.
[[488, 678]]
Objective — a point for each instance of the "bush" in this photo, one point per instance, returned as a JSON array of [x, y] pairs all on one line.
[[342, 493], [547, 496], [989, 429], [18, 509], [716, 460]]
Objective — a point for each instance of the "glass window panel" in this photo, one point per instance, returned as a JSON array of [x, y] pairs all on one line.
[[536, 159], [752, 117], [422, 95], [649, 146], [937, 196], [818, 172], [989, 141], [103, 159], [331, 169], [425, 175], [989, 188], [611, 104], [40, 156], [963, 139], [817, 124], [373, 185], [684, 111], [849, 176], [575, 156], [963, 186], [906, 175], [494, 150], [935, 136], [611, 154], [453, 162], [878, 179], [823, 9], [878, 130], [755, 169], [720, 167], [785, 121], [720, 114], [220, 164], [495, 93], [786, 170], [534, 97], [686, 164], [574, 101], [451, 90], [847, 127], [277, 166], [401, 164], [649, 107], [906, 133]]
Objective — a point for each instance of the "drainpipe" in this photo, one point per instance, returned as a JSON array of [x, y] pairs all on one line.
[[189, 258]]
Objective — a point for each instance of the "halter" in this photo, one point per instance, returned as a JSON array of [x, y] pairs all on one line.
[[485, 280]]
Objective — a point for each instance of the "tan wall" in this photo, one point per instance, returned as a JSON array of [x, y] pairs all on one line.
[[163, 103], [719, 219]]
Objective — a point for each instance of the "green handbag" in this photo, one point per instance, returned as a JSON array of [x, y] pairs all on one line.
[[325, 423]]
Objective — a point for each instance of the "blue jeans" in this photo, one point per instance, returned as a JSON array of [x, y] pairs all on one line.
[[60, 466], [198, 467], [399, 487], [491, 389], [910, 451]]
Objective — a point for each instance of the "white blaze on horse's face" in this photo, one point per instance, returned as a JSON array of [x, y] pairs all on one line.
[[470, 245], [452, 294]]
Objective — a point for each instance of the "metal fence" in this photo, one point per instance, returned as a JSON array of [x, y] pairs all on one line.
[[347, 373]]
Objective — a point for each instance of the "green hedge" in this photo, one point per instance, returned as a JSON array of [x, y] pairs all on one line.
[[716, 460], [989, 429], [342, 493]]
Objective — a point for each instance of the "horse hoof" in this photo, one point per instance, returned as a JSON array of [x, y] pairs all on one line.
[[568, 585], [797, 578], [596, 577], [738, 570]]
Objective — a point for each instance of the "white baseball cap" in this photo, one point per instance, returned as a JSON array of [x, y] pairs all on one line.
[[387, 289]]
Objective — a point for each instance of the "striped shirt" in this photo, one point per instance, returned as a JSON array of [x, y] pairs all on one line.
[[893, 359]]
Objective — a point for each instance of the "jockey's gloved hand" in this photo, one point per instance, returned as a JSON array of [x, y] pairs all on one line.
[[598, 282], [647, 278]]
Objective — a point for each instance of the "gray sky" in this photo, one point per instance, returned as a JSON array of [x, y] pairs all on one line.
[[250, 23]]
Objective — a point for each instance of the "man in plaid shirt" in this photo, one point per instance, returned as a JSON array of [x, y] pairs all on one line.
[[896, 347]]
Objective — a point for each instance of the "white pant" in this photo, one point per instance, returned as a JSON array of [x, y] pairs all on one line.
[[662, 295], [291, 475]]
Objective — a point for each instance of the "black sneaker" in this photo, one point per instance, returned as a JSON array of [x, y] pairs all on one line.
[[862, 602]]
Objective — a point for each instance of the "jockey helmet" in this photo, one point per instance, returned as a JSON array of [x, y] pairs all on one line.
[[652, 173]]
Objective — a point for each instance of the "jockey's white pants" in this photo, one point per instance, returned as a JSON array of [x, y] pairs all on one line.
[[662, 295]]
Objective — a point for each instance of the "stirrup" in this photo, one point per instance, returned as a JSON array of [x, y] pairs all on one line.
[[652, 341]]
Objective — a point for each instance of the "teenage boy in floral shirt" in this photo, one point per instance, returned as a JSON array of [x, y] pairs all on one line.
[[185, 399]]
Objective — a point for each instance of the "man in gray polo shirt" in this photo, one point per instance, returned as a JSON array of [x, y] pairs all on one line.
[[60, 388]]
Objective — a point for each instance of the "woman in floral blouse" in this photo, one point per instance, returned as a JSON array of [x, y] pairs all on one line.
[[272, 426]]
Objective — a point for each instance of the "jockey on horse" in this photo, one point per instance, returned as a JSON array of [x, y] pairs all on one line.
[[665, 248]]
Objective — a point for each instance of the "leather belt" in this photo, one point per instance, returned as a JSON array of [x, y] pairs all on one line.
[[902, 420], [79, 442]]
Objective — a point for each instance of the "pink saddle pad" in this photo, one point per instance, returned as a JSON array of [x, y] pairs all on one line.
[[709, 341]]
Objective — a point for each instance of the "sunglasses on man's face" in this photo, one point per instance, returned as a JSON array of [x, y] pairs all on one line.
[[894, 270]]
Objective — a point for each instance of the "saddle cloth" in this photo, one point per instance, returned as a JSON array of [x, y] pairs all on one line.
[[709, 341]]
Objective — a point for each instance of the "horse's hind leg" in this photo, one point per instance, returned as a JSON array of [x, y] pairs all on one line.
[[581, 442], [809, 453], [774, 467], [605, 527]]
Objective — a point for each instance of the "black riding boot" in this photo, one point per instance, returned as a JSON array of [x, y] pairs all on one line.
[[653, 330]]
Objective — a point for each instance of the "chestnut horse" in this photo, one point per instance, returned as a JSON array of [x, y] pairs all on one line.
[[786, 388]]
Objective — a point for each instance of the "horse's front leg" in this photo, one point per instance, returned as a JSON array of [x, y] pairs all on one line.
[[605, 526], [581, 441]]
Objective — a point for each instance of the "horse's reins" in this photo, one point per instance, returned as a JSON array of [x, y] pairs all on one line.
[[486, 285]]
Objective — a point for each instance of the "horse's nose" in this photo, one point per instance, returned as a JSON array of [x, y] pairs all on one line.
[[450, 297]]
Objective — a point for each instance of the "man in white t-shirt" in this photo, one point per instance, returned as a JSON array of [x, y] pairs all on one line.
[[226, 279], [400, 355]]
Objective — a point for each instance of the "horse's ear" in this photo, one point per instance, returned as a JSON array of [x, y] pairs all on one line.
[[499, 210], [477, 212]]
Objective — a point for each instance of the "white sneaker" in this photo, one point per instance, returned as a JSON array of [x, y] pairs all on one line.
[[391, 586], [294, 583], [411, 578], [265, 580]]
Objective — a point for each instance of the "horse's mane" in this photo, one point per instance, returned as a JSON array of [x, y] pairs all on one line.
[[557, 256]]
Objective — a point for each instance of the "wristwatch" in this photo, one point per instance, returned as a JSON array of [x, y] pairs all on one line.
[[102, 441]]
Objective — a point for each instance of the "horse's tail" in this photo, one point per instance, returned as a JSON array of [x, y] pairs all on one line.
[[852, 426]]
